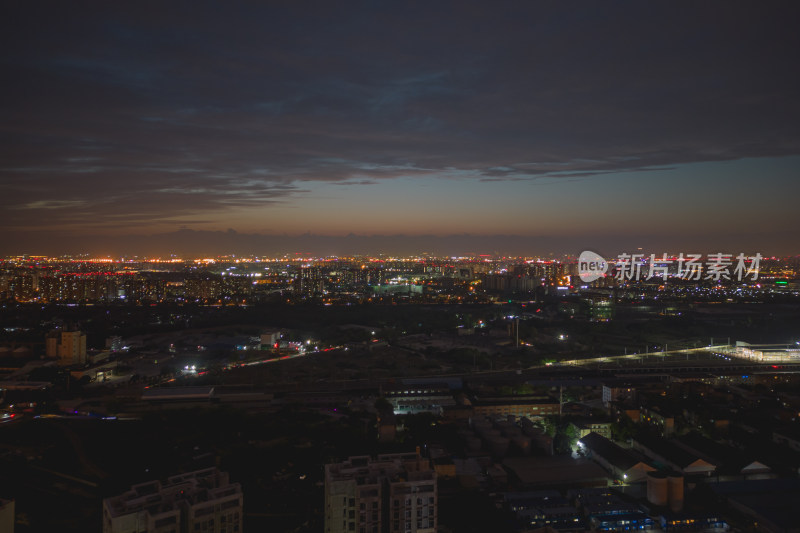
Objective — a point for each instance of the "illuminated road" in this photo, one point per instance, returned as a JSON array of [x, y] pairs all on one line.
[[720, 355], [281, 358]]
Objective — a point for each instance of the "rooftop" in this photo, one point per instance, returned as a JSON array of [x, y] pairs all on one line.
[[155, 497], [611, 452]]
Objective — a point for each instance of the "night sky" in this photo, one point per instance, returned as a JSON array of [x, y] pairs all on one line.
[[446, 127]]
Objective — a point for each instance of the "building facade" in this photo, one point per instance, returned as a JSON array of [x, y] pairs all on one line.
[[393, 493], [68, 346], [7, 516], [519, 407], [204, 501]]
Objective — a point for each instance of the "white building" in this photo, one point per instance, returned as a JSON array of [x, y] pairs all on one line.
[[269, 338], [69, 347], [393, 493]]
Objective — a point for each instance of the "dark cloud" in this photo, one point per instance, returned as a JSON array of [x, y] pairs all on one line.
[[193, 243], [155, 112]]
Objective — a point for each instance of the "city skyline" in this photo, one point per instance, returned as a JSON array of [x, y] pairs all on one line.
[[451, 129]]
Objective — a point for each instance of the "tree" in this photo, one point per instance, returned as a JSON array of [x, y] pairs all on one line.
[[623, 429], [565, 438], [382, 404]]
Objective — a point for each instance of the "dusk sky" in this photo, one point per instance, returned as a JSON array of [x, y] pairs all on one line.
[[345, 127]]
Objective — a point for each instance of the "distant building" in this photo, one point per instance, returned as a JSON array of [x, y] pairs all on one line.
[[548, 272], [623, 464], [772, 503], [544, 508], [395, 492], [204, 287], [666, 454], [114, 343], [606, 510], [616, 390], [51, 342], [270, 338], [584, 426], [7, 516], [558, 472], [68, 346], [426, 398], [519, 407], [203, 501], [309, 283], [658, 418], [600, 306], [506, 283], [387, 425], [732, 464]]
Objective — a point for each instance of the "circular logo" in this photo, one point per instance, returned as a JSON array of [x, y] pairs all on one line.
[[591, 266]]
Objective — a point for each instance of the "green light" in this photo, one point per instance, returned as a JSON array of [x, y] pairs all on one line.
[[781, 283]]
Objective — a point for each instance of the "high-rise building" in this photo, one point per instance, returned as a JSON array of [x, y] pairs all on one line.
[[600, 306], [72, 350], [204, 501], [51, 341], [7, 517], [309, 282], [68, 346], [205, 287], [114, 343], [393, 493]]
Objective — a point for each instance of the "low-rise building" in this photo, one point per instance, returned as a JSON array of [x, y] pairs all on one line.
[[623, 464], [545, 508], [658, 418], [732, 464], [584, 426], [518, 407], [772, 503], [605, 510], [667, 455], [423, 398], [616, 390], [555, 472]]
